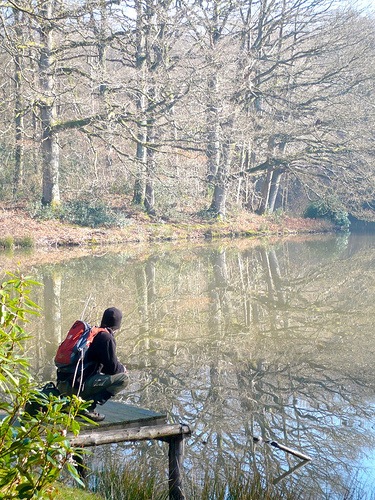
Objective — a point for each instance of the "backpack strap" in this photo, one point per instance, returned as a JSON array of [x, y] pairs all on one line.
[[82, 353]]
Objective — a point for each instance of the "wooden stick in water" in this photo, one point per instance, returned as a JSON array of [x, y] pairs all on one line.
[[296, 453], [275, 444]]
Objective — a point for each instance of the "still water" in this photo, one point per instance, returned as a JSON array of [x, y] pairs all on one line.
[[239, 339]]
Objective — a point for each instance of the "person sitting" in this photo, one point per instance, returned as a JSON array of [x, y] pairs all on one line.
[[103, 374]]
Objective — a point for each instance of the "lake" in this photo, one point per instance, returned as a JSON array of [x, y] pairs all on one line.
[[239, 339]]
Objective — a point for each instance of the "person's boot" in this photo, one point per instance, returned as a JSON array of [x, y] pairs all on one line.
[[92, 414]]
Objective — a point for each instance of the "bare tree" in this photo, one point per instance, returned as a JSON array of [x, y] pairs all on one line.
[[301, 79], [205, 105]]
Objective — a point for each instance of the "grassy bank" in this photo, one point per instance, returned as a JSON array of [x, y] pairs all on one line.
[[130, 485], [67, 493], [117, 483], [19, 229]]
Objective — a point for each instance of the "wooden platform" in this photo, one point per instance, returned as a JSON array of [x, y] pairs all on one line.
[[123, 415], [125, 422]]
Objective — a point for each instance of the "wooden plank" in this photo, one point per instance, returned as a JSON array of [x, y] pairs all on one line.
[[101, 436]]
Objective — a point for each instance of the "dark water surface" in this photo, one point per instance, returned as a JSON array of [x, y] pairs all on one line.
[[239, 339]]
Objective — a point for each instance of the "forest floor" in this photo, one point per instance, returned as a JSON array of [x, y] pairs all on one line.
[[56, 240]]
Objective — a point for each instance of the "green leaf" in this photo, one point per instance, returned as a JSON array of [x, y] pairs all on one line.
[[75, 427], [74, 473]]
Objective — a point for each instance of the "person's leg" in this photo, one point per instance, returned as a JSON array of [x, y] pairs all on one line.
[[101, 387], [98, 388]]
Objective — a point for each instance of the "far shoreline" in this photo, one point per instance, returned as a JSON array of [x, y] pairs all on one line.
[[28, 243], [19, 230]]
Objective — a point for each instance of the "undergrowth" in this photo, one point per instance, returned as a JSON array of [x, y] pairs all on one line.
[[83, 212]]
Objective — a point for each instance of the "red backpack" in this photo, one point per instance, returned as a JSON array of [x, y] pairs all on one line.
[[71, 352]]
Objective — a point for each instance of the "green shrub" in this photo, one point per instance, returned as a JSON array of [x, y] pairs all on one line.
[[44, 212], [7, 242], [91, 213], [34, 448], [83, 212], [328, 209], [25, 242]]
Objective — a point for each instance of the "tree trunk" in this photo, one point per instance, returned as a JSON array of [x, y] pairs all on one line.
[[213, 120], [213, 131], [141, 105], [101, 33], [266, 189], [18, 112], [50, 145], [51, 166], [149, 201], [219, 199], [275, 186]]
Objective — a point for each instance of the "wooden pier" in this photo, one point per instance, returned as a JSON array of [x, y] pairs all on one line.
[[125, 422]]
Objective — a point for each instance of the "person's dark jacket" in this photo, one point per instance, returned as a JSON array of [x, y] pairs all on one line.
[[102, 354], [100, 358]]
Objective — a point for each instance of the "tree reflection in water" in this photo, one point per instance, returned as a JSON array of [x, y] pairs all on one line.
[[239, 340]]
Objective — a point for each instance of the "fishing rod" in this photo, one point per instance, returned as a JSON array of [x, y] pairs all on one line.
[[84, 309]]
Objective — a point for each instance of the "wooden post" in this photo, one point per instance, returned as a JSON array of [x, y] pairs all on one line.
[[175, 454]]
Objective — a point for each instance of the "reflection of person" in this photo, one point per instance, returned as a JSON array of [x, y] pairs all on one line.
[[103, 375]]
